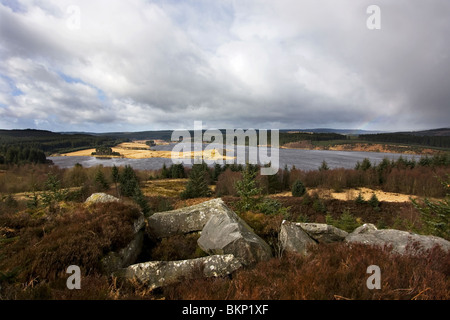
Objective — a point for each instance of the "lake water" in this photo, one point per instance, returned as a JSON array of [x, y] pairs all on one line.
[[302, 159]]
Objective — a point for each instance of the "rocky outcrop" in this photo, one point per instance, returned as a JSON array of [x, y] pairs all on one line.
[[323, 233], [116, 260], [298, 237], [100, 198], [184, 220], [294, 239], [160, 273], [226, 233], [401, 242], [366, 227]]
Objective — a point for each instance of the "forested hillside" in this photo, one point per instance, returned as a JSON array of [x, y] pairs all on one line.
[[409, 138], [19, 146]]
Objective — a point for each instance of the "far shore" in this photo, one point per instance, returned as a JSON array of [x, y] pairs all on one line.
[[139, 150], [362, 147]]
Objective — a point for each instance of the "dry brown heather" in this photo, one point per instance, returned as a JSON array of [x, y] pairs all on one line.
[[37, 245], [42, 247], [333, 271]]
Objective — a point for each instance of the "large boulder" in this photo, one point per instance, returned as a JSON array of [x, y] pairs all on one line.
[[294, 239], [402, 242], [226, 233], [101, 198], [116, 260], [160, 273], [184, 220], [323, 233], [366, 227]]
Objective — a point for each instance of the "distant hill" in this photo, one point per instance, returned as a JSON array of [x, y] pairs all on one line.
[[438, 138], [339, 131], [442, 132], [52, 142], [140, 135]]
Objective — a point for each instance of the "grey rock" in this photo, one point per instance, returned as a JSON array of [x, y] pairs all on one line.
[[101, 198], [226, 233], [323, 233], [160, 273], [114, 261], [366, 227], [294, 239], [184, 220], [400, 241]]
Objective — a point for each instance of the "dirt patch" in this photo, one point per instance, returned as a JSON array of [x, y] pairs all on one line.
[[352, 194]]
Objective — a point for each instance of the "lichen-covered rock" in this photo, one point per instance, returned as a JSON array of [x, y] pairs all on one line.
[[323, 233], [160, 273], [226, 233], [100, 198], [402, 242], [294, 239], [184, 220], [366, 227]]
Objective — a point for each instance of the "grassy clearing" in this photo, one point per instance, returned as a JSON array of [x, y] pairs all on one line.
[[164, 187]]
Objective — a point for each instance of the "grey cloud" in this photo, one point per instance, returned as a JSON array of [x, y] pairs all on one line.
[[238, 63]]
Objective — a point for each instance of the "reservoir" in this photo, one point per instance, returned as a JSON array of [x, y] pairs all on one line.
[[301, 159]]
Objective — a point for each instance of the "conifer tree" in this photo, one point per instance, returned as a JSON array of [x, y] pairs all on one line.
[[324, 166], [247, 190], [101, 181], [197, 185], [128, 181], [115, 177], [298, 189]]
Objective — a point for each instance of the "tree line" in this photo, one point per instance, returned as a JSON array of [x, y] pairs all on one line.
[[20, 155], [21, 146], [431, 141]]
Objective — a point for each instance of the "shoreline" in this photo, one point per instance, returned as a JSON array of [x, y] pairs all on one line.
[[374, 148]]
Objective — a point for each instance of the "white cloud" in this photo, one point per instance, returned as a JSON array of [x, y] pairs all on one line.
[[139, 65]]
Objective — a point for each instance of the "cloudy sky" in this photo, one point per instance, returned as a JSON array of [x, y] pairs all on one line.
[[114, 65]]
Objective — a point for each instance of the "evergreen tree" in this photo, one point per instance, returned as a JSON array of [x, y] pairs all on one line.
[[128, 181], [373, 201], [286, 176], [366, 164], [274, 183], [177, 171], [435, 214], [197, 185], [298, 189], [101, 181], [247, 190], [165, 174], [139, 198], [129, 187], [115, 177], [217, 171], [54, 192], [324, 166], [360, 199]]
